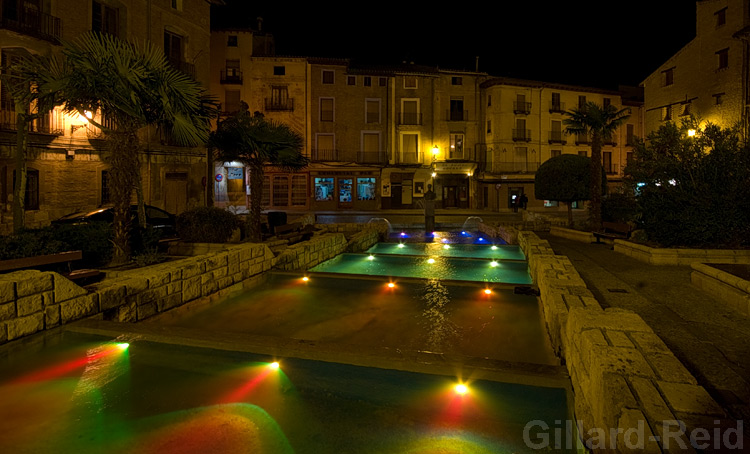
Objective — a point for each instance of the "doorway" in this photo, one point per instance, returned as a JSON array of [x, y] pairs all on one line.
[[449, 197], [175, 192]]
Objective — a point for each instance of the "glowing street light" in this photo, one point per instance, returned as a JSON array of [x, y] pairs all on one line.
[[691, 132], [435, 152]]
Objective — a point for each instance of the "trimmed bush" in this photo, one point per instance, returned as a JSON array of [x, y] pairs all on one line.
[[619, 207], [207, 225]]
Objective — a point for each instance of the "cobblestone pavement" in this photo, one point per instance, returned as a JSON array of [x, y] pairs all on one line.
[[712, 341]]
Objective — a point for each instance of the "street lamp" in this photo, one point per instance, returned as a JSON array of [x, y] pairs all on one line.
[[435, 152], [691, 132]]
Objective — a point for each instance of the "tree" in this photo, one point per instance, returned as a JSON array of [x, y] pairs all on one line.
[[692, 191], [600, 123], [22, 77], [133, 86], [565, 178], [255, 141]]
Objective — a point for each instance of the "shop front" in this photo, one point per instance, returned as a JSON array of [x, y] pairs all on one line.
[[453, 184], [338, 190]]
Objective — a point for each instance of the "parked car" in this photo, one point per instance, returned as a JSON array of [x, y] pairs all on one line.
[[160, 220]]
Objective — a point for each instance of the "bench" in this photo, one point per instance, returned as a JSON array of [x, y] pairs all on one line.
[[613, 231], [50, 259], [294, 232]]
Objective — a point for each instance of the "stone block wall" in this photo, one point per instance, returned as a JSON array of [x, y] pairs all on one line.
[[674, 256], [728, 288], [320, 248], [623, 376], [364, 240], [508, 233], [33, 301]]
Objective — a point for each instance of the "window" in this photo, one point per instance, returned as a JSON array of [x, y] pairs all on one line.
[[630, 135], [583, 153], [383, 82], [456, 150], [327, 77], [556, 105], [231, 101], [372, 110], [365, 188], [232, 41], [105, 187], [555, 153], [607, 162], [550, 203], [371, 145], [668, 77], [280, 190], [351, 80], [581, 102], [666, 113], [456, 112], [368, 81], [266, 197], [489, 126], [279, 96], [718, 98], [606, 102], [410, 112], [345, 190], [325, 147], [299, 190], [31, 200], [410, 148], [686, 110], [323, 189], [173, 47], [723, 58], [410, 81], [326, 109], [105, 19], [489, 100], [279, 70], [721, 17], [176, 4], [628, 157], [457, 81], [233, 68]]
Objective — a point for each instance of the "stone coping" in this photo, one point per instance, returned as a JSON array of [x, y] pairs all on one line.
[[675, 256], [731, 289], [572, 234]]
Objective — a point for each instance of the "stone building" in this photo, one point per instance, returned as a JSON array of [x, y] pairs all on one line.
[[523, 127], [708, 78], [67, 168]]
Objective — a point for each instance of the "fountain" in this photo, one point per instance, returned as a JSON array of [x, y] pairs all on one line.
[[471, 224], [378, 222]]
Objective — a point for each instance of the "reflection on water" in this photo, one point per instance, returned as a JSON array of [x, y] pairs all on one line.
[[441, 333]]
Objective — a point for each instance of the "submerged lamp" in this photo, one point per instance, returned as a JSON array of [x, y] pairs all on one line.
[[493, 263], [305, 278], [401, 245], [493, 247], [430, 260], [391, 285], [371, 257], [122, 345], [487, 291], [274, 365], [461, 389]]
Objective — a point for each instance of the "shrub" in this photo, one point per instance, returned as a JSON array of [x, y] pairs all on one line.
[[30, 243], [619, 207], [94, 240], [206, 225]]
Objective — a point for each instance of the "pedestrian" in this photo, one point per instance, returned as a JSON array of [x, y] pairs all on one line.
[[524, 201], [514, 202]]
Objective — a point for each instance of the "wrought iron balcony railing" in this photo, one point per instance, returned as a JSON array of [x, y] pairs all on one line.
[[29, 22], [583, 139], [185, 67], [51, 123], [522, 135], [521, 107], [231, 77], [324, 155], [281, 105], [611, 169], [457, 115], [557, 137], [406, 118], [557, 107]]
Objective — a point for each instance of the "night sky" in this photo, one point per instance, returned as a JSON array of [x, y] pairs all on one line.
[[591, 43]]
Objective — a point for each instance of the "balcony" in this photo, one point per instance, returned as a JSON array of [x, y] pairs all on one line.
[[611, 169], [408, 118], [324, 155], [29, 22], [583, 139], [278, 105], [372, 157], [183, 66], [372, 117], [557, 137], [521, 135], [231, 77], [408, 158], [457, 115], [515, 167], [557, 107], [612, 141], [521, 107], [630, 141], [49, 124]]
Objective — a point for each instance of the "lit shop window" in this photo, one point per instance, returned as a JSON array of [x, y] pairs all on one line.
[[345, 189], [323, 189], [365, 188]]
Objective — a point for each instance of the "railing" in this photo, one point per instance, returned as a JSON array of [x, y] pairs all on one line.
[[583, 139], [611, 141], [323, 155], [610, 169], [457, 115], [556, 107], [31, 23], [185, 67], [408, 158], [521, 107], [515, 167], [51, 123], [371, 157], [557, 137], [231, 77], [372, 117], [456, 154], [630, 141], [405, 118], [522, 135], [281, 104]]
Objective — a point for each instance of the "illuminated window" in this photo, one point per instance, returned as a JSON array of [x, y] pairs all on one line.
[[345, 190], [456, 146], [327, 77], [323, 189], [365, 188], [550, 203]]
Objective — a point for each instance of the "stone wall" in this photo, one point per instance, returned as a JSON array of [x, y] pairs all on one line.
[[508, 233], [306, 254], [33, 301], [623, 375], [673, 256], [732, 290], [575, 235]]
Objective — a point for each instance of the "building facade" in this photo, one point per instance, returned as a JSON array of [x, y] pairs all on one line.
[[708, 78], [67, 169]]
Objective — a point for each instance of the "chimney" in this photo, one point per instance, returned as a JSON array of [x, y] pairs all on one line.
[[260, 23]]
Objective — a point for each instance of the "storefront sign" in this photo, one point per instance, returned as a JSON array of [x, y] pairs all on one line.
[[386, 188]]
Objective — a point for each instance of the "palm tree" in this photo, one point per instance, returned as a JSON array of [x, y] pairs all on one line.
[[21, 77], [133, 86], [600, 123], [255, 142]]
